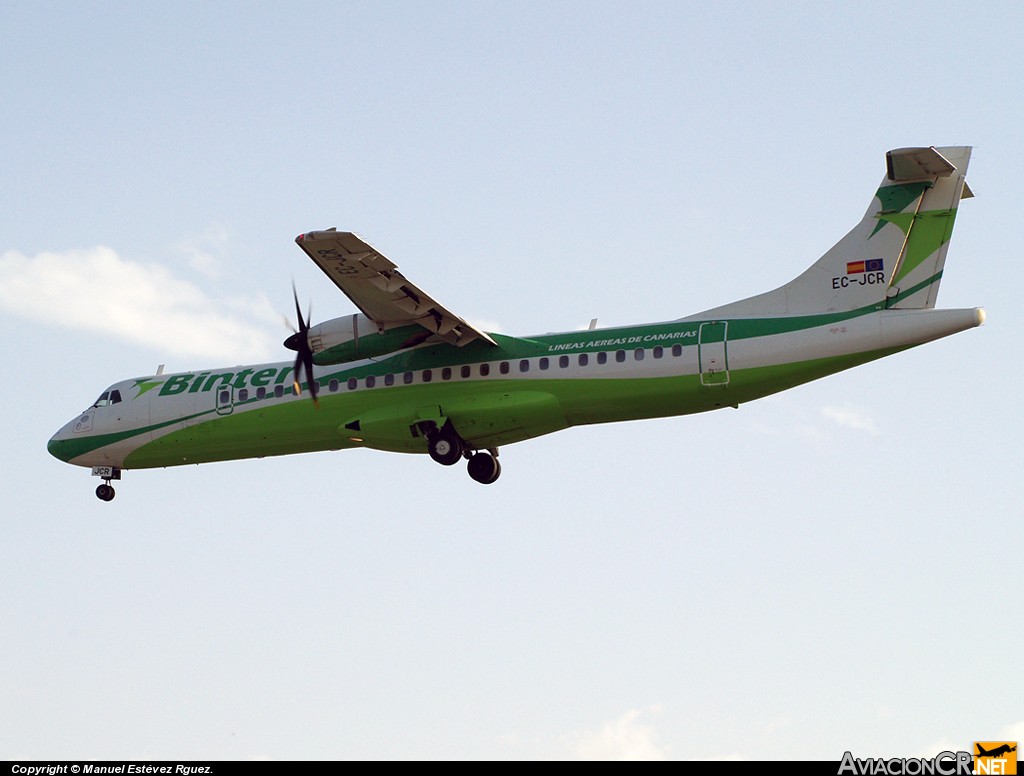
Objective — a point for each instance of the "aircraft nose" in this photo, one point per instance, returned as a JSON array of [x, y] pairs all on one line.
[[60, 444], [55, 447]]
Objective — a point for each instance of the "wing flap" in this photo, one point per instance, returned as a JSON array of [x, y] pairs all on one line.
[[379, 290]]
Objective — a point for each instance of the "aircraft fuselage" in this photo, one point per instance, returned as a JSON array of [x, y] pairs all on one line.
[[526, 387]]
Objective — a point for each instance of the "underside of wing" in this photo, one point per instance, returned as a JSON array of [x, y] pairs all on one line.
[[379, 290]]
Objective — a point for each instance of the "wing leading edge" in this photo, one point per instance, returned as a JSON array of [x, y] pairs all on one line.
[[379, 290]]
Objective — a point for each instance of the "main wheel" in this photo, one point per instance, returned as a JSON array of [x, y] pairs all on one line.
[[484, 468], [105, 492], [444, 447]]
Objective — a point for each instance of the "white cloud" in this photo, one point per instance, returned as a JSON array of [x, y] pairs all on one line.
[[1014, 732], [852, 418], [203, 250], [1011, 732], [95, 290], [626, 738], [928, 751]]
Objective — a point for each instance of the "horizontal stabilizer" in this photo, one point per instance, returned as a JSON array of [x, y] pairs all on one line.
[[917, 164]]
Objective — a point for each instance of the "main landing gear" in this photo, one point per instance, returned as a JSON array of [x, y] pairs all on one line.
[[447, 447], [484, 467]]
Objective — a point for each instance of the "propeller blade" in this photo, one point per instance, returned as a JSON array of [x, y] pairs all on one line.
[[310, 380], [299, 342], [298, 310]]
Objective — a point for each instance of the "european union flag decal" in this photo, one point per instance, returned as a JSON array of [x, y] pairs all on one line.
[[867, 265]]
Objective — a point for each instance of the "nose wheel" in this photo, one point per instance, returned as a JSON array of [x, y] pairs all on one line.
[[105, 492]]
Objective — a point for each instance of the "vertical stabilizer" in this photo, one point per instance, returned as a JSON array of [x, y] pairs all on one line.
[[894, 257], [915, 279]]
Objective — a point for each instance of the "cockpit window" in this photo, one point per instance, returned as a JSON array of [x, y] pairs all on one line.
[[107, 398]]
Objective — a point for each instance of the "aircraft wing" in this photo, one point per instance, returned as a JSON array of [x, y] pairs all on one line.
[[379, 290]]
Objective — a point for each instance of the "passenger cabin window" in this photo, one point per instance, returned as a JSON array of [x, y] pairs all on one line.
[[658, 351], [370, 381], [563, 361], [333, 386], [584, 359], [389, 379], [407, 378], [638, 354], [225, 397], [677, 350], [352, 383], [524, 366], [278, 391], [503, 367], [243, 394], [465, 371], [620, 355], [485, 369], [427, 375], [446, 373], [261, 392], [602, 357], [544, 363]]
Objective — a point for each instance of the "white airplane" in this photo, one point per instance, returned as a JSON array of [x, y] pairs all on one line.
[[408, 375]]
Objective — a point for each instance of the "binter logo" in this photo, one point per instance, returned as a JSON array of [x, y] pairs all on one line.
[[205, 381], [995, 757]]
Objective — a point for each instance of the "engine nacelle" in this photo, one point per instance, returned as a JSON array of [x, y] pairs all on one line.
[[353, 337]]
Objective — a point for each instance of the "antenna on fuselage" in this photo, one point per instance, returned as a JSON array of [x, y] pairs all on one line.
[[593, 324], [160, 370]]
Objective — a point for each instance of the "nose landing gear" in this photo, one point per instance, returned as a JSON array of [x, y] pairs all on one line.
[[105, 492]]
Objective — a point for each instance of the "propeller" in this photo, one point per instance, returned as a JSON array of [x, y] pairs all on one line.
[[299, 342]]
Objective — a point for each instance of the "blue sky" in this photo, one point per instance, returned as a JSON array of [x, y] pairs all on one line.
[[828, 569]]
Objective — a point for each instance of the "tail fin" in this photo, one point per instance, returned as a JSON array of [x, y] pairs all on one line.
[[895, 256]]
